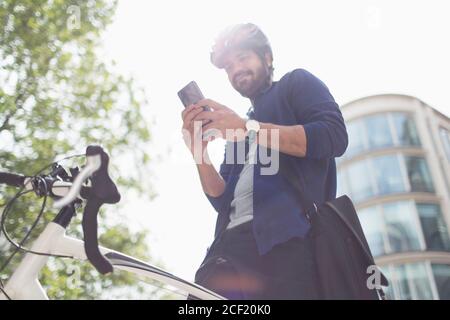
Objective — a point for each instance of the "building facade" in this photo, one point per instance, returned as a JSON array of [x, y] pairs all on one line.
[[397, 172]]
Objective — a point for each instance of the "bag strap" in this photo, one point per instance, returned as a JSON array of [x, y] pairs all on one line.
[[288, 171]]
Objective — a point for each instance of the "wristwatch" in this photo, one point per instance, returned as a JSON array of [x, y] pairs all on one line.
[[252, 127]]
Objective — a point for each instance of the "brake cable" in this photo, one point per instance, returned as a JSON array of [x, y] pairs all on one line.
[[6, 210]]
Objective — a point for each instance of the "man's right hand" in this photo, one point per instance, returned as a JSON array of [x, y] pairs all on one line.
[[192, 131], [212, 183]]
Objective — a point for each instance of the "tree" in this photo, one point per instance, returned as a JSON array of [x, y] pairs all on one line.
[[56, 97]]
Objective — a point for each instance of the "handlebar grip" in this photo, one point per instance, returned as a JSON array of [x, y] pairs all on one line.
[[90, 226], [103, 190], [103, 187], [12, 179]]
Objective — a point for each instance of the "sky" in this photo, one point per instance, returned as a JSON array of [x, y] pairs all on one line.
[[358, 48]]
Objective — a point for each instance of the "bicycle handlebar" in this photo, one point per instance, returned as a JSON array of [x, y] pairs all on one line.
[[102, 190], [93, 163], [12, 179]]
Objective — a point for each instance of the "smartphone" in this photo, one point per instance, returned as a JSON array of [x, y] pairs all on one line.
[[191, 94]]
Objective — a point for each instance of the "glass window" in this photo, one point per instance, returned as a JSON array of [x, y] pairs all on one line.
[[372, 224], [445, 137], [412, 282], [406, 129], [359, 181], [395, 227], [342, 184], [441, 274], [388, 174], [378, 131], [419, 281], [401, 224], [389, 290], [434, 227], [418, 174], [401, 283], [356, 136]]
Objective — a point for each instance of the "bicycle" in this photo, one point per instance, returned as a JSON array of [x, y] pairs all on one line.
[[69, 192]]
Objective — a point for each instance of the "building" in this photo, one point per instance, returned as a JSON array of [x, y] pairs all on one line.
[[397, 172]]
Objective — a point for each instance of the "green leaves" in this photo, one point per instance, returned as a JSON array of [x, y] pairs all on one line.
[[57, 97]]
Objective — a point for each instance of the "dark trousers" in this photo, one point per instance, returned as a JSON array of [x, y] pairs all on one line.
[[233, 268]]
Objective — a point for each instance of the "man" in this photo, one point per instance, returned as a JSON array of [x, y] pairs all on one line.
[[262, 247]]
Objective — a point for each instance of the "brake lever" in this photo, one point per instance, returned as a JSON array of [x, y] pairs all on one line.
[[93, 163], [103, 190]]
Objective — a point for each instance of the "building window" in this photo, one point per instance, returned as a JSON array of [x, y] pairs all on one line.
[[441, 274], [383, 175], [434, 227], [357, 137], [381, 131], [404, 226], [342, 187], [373, 226], [388, 175], [445, 137], [418, 174], [378, 131], [411, 281], [417, 281], [361, 186], [406, 132], [389, 290]]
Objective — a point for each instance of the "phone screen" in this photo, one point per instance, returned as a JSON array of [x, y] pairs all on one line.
[[190, 94]]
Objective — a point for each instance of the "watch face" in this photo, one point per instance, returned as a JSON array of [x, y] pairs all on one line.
[[252, 125]]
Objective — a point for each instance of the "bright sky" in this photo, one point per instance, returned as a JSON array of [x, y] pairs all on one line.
[[357, 48]]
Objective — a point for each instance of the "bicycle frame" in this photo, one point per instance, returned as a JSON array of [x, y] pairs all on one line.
[[24, 283]]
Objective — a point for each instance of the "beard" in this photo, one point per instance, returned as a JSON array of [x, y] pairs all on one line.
[[249, 83]]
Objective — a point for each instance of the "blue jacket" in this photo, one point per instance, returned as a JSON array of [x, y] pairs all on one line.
[[297, 98]]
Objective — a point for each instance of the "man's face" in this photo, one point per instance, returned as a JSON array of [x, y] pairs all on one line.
[[246, 72]]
